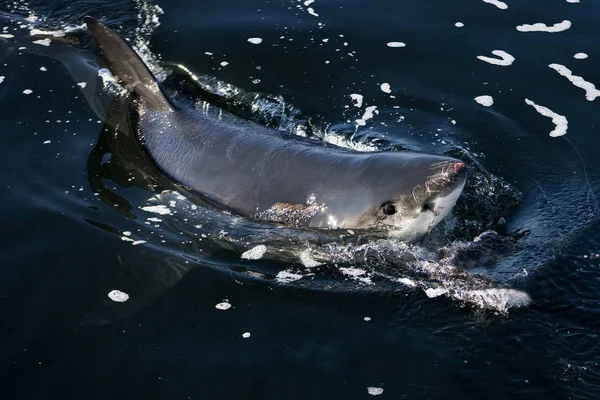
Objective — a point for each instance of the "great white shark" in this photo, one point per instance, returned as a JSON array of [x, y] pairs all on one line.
[[265, 174]]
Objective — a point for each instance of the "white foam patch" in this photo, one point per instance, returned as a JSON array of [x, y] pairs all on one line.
[[559, 120], [109, 82], [590, 89], [82, 84], [1, 79], [43, 69], [485, 100], [385, 88], [255, 40], [357, 274], [367, 319], [307, 260], [43, 42], [374, 391], [369, 113], [224, 63], [580, 56], [500, 4], [6, 36], [572, 1], [47, 142], [133, 242], [255, 253], [246, 335], [312, 12], [223, 306], [396, 44], [431, 292], [288, 276], [343, 141], [118, 296], [152, 219], [407, 282], [540, 27], [496, 298], [505, 59], [459, 24], [161, 209], [358, 99], [35, 32], [27, 91]]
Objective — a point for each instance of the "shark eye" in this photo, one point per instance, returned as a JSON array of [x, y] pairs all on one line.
[[389, 209], [426, 207]]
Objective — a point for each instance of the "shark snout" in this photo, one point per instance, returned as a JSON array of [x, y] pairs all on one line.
[[446, 177], [457, 172]]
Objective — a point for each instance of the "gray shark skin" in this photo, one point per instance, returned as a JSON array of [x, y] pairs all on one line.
[[264, 174]]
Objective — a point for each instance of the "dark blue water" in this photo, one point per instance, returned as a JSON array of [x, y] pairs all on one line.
[[511, 314]]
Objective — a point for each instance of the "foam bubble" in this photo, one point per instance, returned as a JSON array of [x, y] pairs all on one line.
[[118, 296], [459, 24], [396, 44], [559, 120], [485, 100], [540, 27], [497, 298], [35, 32], [43, 42], [246, 335], [255, 253], [27, 91], [307, 260], [82, 84], [1, 79], [369, 113], [431, 292], [358, 99], [407, 282], [255, 40], [357, 274], [504, 61], [374, 391], [287, 276], [590, 89], [385, 87], [162, 210], [580, 56], [223, 306], [500, 4]]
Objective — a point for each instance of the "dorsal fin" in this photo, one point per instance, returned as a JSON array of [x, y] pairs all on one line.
[[127, 67]]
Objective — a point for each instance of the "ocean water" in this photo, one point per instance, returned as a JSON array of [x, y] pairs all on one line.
[[113, 283]]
